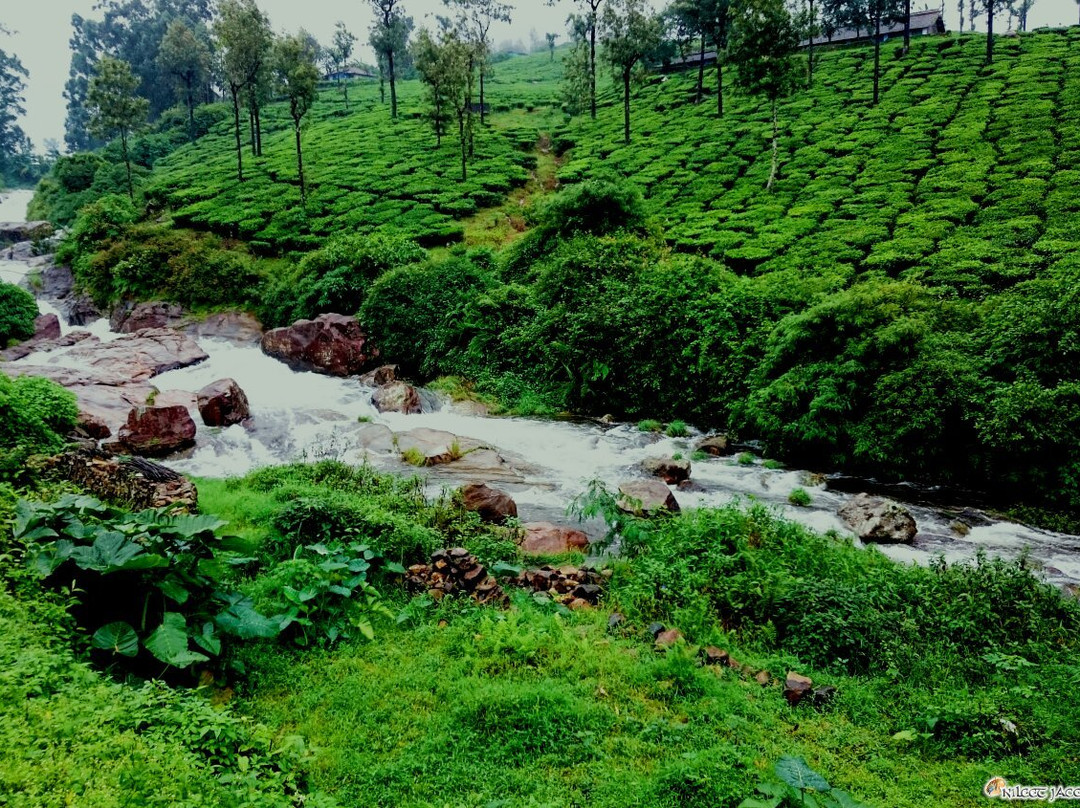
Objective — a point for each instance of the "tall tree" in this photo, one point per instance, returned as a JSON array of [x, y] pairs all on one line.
[[186, 58], [991, 7], [389, 37], [244, 39], [960, 9], [688, 20], [297, 79], [551, 45], [576, 79], [445, 65], [764, 49], [339, 53], [115, 109], [13, 78], [591, 22], [1021, 8], [629, 33], [475, 18], [872, 15]]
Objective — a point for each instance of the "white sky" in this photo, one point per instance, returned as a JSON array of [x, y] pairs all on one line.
[[43, 28]]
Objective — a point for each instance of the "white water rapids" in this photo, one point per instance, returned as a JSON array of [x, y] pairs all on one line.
[[306, 416]]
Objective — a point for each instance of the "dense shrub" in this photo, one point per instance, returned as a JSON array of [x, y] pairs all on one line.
[[35, 414], [17, 312]]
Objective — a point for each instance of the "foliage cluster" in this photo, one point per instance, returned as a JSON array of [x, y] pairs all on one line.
[[17, 313], [35, 415]]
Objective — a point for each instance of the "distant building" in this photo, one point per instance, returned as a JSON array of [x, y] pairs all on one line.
[[349, 73], [923, 23]]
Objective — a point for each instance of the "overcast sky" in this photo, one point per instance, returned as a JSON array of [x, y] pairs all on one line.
[[43, 27]]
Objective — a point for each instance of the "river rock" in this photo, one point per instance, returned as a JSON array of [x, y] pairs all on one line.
[[46, 338], [796, 687], [544, 538], [669, 470], [21, 251], [397, 397], [233, 326], [379, 377], [79, 310], [46, 326], [157, 431], [92, 427], [14, 232], [433, 446], [333, 344], [715, 445], [875, 519], [492, 504], [223, 403], [56, 282], [142, 355], [646, 498], [375, 438], [129, 317]]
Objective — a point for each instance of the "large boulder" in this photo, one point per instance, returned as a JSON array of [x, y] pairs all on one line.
[[140, 356], [92, 427], [46, 338], [380, 377], [492, 504], [79, 310], [715, 445], [397, 397], [157, 431], [46, 326], [223, 403], [333, 344], [232, 326], [128, 317], [14, 232], [646, 498], [669, 470], [544, 538], [428, 447], [56, 282], [875, 519]]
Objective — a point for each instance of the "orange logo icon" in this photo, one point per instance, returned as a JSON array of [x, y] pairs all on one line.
[[994, 786]]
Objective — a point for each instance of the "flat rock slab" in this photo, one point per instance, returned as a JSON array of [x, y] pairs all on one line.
[[545, 538], [646, 498], [375, 438], [142, 355], [435, 446]]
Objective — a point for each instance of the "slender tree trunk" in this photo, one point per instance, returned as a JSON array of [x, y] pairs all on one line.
[[907, 26], [464, 147], [469, 106], [701, 71], [990, 31], [877, 56], [592, 65], [127, 165], [960, 8], [810, 49], [300, 162], [239, 145], [258, 130], [481, 71], [626, 104], [345, 91], [393, 84], [775, 148], [382, 85], [438, 121]]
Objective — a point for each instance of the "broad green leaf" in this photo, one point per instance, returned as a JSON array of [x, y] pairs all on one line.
[[243, 621], [844, 800], [345, 592], [365, 628], [120, 638], [169, 642], [174, 590], [208, 640], [393, 566], [755, 802], [797, 773]]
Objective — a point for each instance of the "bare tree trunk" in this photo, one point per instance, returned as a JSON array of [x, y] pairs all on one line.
[[239, 146], [251, 131], [300, 162], [127, 164], [592, 64], [907, 26], [464, 148], [191, 111], [258, 130], [877, 55], [775, 148], [990, 31], [960, 8], [626, 104], [809, 50], [393, 84], [481, 71], [701, 71]]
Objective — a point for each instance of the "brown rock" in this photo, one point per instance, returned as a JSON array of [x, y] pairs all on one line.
[[129, 317], [157, 431], [223, 403], [668, 638], [397, 397], [577, 604], [875, 519], [715, 656], [92, 426], [544, 538], [46, 326], [646, 498], [762, 678], [15, 232], [333, 344], [492, 504], [232, 326], [140, 356], [715, 445], [671, 471], [796, 686], [380, 377]]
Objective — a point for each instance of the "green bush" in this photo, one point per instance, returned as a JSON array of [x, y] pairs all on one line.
[[35, 414], [18, 309]]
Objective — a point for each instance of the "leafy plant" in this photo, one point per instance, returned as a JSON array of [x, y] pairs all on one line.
[[796, 785], [799, 497], [677, 429]]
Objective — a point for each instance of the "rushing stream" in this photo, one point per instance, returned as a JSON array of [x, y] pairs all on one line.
[[309, 416]]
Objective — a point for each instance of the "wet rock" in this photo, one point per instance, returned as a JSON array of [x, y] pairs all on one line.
[[691, 487], [380, 377], [223, 403], [157, 431], [397, 397], [646, 498], [233, 326], [428, 446], [875, 519], [715, 445], [655, 629], [544, 538], [715, 656], [177, 398], [21, 251], [46, 326], [668, 469], [92, 427], [492, 504], [615, 620], [796, 687], [129, 317], [140, 356], [14, 232], [79, 310], [56, 282], [333, 344], [668, 637], [375, 438]]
